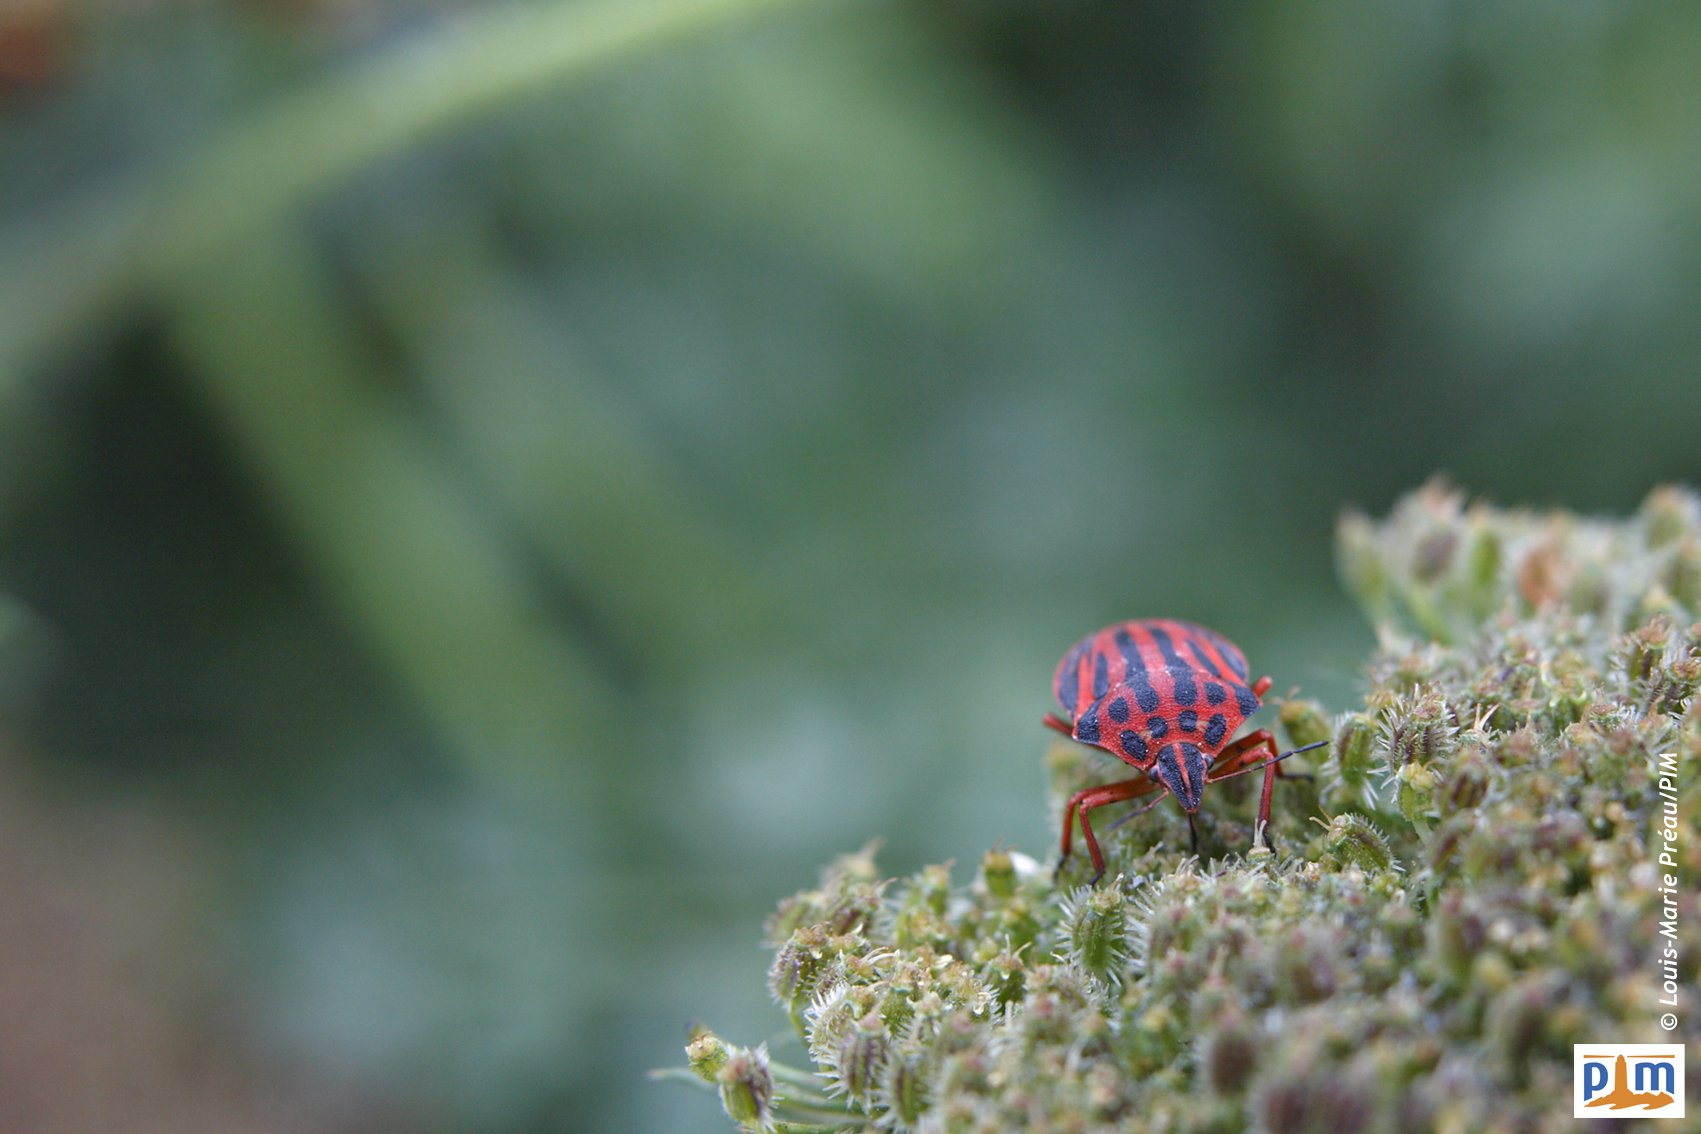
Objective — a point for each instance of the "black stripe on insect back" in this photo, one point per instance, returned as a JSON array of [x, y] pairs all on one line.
[[1132, 662], [1215, 693], [1202, 656], [1188, 721], [1166, 645], [1211, 651], [1227, 651], [1133, 744], [1180, 673], [1101, 676], [1144, 695], [1186, 693], [1215, 728], [1069, 681], [1247, 702], [1118, 710], [1135, 665], [1087, 728]]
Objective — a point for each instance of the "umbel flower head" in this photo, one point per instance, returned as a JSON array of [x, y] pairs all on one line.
[[1460, 894]]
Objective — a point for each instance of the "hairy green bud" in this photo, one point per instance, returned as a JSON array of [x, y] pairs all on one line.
[[747, 1088], [998, 871], [1304, 723], [1098, 930], [1353, 840], [706, 1054]]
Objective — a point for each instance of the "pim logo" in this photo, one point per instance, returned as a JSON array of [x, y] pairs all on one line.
[[1627, 1080]]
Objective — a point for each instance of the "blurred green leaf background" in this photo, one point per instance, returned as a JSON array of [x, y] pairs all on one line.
[[493, 495]]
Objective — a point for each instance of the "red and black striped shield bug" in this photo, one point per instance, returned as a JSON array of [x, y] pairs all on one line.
[[1164, 697]]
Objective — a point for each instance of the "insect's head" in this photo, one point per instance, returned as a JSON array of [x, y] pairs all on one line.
[[1181, 767]]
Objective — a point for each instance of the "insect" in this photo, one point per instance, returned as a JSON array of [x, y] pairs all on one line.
[[1164, 697]]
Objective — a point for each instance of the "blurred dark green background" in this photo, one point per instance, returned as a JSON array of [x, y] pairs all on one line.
[[492, 496]]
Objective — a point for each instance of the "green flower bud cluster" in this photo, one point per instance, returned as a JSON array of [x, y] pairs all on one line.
[[1463, 890]]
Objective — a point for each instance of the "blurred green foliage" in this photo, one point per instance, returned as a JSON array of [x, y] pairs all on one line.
[[525, 482]]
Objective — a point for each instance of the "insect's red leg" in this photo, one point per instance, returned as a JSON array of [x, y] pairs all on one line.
[[1053, 721], [1260, 833], [1261, 687], [1243, 755], [1069, 810], [1069, 822], [1085, 801]]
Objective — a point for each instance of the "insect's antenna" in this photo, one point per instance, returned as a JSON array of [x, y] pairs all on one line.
[[1267, 763], [1141, 810]]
